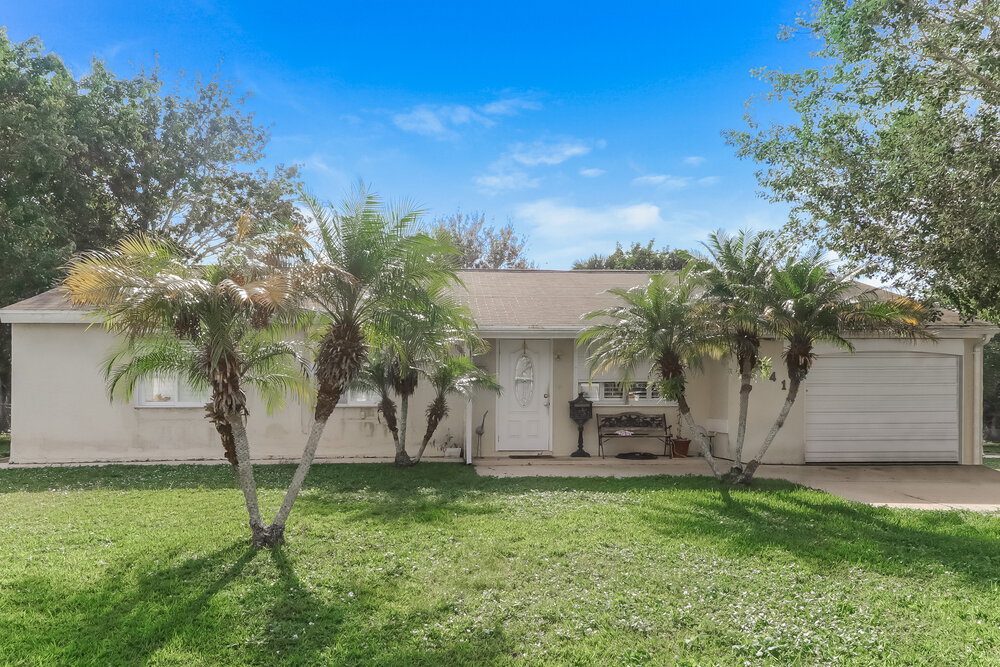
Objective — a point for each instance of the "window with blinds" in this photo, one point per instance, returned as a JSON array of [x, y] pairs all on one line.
[[607, 387]]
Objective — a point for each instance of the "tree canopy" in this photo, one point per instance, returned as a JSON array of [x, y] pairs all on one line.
[[893, 154], [482, 245], [87, 160], [637, 258]]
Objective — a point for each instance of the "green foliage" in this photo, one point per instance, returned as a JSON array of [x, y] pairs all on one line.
[[439, 566], [216, 325], [459, 375], [637, 258], [665, 324], [482, 246], [991, 387], [893, 157], [88, 160]]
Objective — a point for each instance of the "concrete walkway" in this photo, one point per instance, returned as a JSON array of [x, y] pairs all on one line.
[[936, 487]]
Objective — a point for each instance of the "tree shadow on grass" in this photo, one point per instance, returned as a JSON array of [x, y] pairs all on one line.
[[127, 616], [235, 605], [827, 532]]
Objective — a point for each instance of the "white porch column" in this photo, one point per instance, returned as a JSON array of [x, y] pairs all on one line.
[[468, 432]]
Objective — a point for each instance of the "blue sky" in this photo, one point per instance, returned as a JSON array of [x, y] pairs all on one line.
[[582, 123]]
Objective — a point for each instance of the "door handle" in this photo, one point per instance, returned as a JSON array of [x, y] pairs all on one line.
[[546, 397]]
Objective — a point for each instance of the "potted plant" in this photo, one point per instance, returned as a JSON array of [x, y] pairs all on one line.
[[450, 449], [681, 444]]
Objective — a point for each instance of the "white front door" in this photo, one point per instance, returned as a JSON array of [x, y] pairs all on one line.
[[524, 407]]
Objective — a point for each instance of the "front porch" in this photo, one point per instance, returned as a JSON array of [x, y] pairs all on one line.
[[567, 466]]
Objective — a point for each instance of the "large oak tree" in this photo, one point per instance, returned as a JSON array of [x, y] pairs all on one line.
[[87, 160], [892, 156]]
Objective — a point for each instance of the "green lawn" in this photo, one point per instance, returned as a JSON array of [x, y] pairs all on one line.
[[4, 445], [435, 566], [991, 448]]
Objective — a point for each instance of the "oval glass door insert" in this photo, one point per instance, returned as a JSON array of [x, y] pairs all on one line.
[[524, 380]]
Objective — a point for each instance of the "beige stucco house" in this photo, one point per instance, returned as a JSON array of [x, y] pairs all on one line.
[[890, 401]]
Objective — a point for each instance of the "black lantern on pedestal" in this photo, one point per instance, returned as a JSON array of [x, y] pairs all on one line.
[[580, 410]]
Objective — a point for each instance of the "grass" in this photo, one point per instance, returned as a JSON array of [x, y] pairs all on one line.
[[4, 445], [991, 448], [436, 566]]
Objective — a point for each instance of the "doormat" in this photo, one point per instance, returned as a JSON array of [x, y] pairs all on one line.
[[636, 456], [531, 456]]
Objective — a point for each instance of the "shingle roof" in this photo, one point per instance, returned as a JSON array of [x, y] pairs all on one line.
[[512, 298], [534, 298], [54, 299]]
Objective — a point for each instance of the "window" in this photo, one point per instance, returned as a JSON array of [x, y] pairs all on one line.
[[358, 398], [607, 388], [169, 391]]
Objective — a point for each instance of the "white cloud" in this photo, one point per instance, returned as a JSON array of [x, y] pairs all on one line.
[[507, 172], [562, 233], [509, 107], [668, 182], [501, 180], [592, 173], [552, 219], [439, 121], [550, 153], [695, 160], [665, 181]]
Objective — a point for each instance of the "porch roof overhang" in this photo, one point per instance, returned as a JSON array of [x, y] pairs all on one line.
[[530, 332]]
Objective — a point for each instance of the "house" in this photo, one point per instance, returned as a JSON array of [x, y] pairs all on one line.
[[890, 401]]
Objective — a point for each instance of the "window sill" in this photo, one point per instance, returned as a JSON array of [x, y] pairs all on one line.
[[167, 406], [636, 404]]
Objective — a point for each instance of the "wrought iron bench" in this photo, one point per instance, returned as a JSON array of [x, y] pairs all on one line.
[[634, 425]]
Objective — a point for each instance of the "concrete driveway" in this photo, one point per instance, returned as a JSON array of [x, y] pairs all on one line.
[[936, 487], [931, 487]]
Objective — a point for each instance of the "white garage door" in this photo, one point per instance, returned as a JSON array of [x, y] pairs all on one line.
[[882, 407]]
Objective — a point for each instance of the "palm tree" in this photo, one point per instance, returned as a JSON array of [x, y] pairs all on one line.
[[449, 376], [806, 304], [374, 378], [368, 270], [671, 327], [737, 270], [421, 339], [211, 324]]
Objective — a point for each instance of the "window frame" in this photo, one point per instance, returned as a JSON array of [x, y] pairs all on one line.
[[350, 400], [140, 401], [594, 389]]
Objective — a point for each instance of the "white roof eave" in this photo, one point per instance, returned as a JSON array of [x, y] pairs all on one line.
[[46, 317]]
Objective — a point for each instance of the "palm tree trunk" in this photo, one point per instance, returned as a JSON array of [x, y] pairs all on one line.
[[277, 528], [402, 458], [793, 392], [746, 386], [388, 410], [435, 414], [699, 435], [247, 482]]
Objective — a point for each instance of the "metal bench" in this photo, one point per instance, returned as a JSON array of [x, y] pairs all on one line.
[[634, 425]]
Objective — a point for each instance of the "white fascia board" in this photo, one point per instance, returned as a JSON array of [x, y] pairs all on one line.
[[530, 332], [46, 317]]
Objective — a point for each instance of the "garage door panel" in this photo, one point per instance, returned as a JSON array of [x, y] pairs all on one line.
[[883, 407], [873, 417], [892, 378], [864, 404], [872, 454], [895, 360]]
